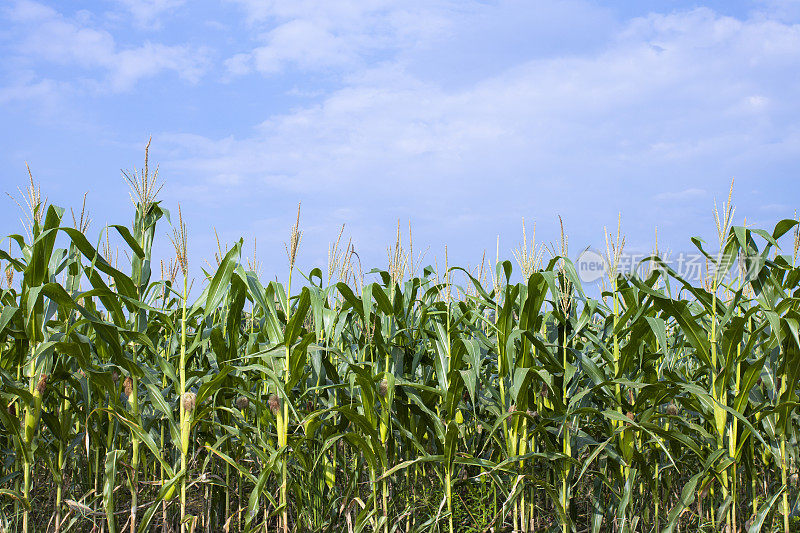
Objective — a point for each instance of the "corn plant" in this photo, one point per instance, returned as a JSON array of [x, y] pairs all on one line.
[[396, 400]]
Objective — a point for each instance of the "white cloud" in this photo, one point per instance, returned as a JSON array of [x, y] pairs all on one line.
[[311, 35], [304, 43], [28, 10], [148, 13], [150, 59], [461, 115], [787, 10], [44, 91], [46, 35], [676, 102], [631, 101], [348, 12]]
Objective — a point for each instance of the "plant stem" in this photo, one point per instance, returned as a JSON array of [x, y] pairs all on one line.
[[184, 418]]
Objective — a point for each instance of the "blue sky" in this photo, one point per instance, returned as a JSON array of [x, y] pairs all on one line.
[[461, 116]]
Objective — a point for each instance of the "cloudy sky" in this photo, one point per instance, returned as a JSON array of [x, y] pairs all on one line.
[[460, 116]]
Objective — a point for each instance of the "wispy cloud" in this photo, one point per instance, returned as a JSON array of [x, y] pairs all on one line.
[[310, 35], [669, 100], [148, 14], [42, 34], [27, 88], [630, 104], [462, 115], [303, 43]]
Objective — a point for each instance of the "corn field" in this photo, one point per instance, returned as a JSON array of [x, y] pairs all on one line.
[[428, 399]]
